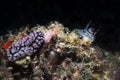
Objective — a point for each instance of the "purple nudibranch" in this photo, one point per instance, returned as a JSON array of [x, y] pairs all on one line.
[[26, 46]]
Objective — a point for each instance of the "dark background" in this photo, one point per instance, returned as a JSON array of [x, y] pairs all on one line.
[[104, 15]]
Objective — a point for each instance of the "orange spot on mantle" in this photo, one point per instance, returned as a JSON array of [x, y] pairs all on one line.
[[6, 44]]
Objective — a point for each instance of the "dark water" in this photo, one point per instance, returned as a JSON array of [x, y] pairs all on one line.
[[104, 15]]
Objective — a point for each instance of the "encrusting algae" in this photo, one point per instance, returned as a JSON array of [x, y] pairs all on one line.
[[64, 55]]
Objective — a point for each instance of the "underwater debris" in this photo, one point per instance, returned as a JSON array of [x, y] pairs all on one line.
[[63, 57]]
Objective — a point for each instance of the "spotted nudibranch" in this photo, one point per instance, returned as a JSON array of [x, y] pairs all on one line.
[[25, 46], [30, 44]]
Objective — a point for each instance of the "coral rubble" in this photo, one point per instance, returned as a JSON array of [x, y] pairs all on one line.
[[66, 57]]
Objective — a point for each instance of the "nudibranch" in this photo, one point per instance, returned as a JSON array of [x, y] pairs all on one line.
[[87, 34], [25, 46], [30, 44]]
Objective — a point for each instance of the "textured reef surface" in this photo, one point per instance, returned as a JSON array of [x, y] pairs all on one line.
[[68, 56]]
